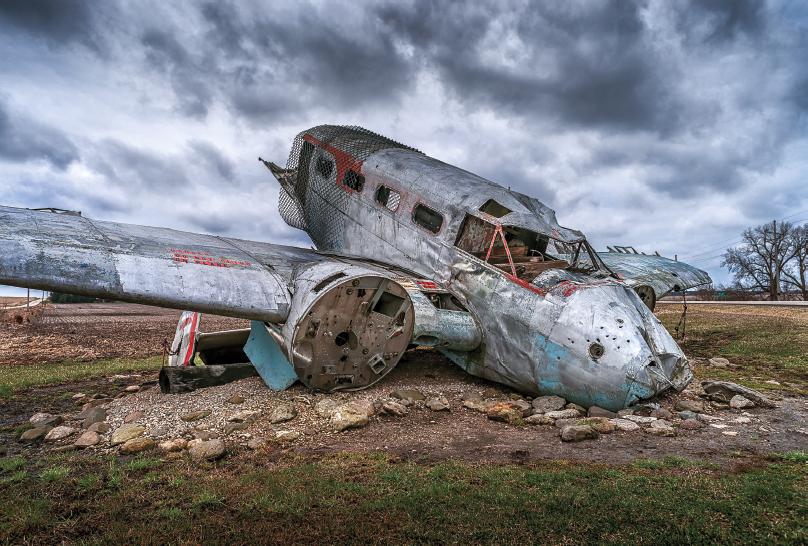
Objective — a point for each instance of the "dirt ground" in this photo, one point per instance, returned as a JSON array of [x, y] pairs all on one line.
[[69, 331]]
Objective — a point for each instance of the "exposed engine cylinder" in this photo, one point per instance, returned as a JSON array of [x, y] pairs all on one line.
[[347, 331]]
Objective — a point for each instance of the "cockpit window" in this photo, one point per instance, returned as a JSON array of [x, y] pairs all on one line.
[[494, 209], [427, 218], [353, 181]]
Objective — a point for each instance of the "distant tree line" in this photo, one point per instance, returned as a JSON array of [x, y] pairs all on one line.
[[772, 257], [57, 297]]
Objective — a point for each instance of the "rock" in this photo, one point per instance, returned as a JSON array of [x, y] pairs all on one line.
[[743, 420], [207, 450], [35, 434], [660, 427], [126, 433], [723, 391], [438, 404], [543, 404], [177, 444], [580, 409], [158, 432], [640, 419], [394, 408], [236, 400], [623, 412], [661, 413], [366, 405], [539, 419], [78, 396], [89, 438], [54, 421], [720, 406], [309, 431], [38, 418], [578, 433], [739, 402], [400, 395], [205, 435], [409, 402], [506, 412], [132, 388], [490, 393], [527, 409], [192, 443], [689, 405], [120, 395], [595, 411], [229, 428], [303, 399], [62, 449], [690, 424], [348, 416], [561, 423], [625, 424], [92, 416], [284, 412], [719, 362], [772, 382], [661, 423], [136, 445], [258, 441], [287, 435], [563, 414], [240, 417], [685, 415], [60, 433], [96, 403], [515, 396], [195, 415], [325, 407], [132, 417], [478, 404], [469, 395], [601, 424]]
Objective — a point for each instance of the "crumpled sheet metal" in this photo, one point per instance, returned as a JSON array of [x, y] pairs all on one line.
[[662, 274]]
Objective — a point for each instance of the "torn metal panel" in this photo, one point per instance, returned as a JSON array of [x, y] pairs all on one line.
[[663, 275]]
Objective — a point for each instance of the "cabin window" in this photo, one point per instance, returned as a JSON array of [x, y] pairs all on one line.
[[427, 218], [353, 181], [388, 198], [494, 209], [325, 166]]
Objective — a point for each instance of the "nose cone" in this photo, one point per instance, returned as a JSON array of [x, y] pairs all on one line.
[[620, 352]]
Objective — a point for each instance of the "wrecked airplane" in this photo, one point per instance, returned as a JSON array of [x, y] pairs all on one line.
[[410, 250]]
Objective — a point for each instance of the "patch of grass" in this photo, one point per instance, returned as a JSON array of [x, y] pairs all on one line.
[[55, 474], [21, 429], [795, 457], [18, 476], [10, 465], [646, 464], [142, 463], [20, 377]]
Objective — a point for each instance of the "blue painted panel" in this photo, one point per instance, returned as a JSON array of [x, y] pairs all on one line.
[[268, 359]]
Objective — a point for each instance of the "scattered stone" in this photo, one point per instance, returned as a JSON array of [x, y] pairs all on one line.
[[563, 414], [739, 402], [325, 407], [394, 408], [661, 423], [79, 396], [229, 428], [729, 432], [580, 409], [772, 382], [207, 450], [661, 413], [478, 404], [623, 412], [543, 404], [284, 412], [287, 435], [303, 399], [469, 395], [60, 433], [595, 411], [54, 421], [348, 416], [92, 416], [159, 432], [35, 434], [743, 420], [132, 388], [205, 435], [640, 419], [600, 424], [578, 433], [625, 424], [258, 441], [539, 419], [120, 395], [561, 423], [438, 404], [660, 427], [527, 409], [192, 443], [309, 431], [132, 417], [236, 400], [400, 395], [89, 438], [685, 415], [719, 362], [136, 445], [126, 433], [366, 405], [62, 449], [37, 419], [506, 412], [490, 392], [723, 391], [515, 396], [409, 402], [96, 403], [177, 444], [195, 415], [689, 405], [720, 406], [690, 424]]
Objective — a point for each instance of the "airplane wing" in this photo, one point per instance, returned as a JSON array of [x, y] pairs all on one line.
[[663, 275], [153, 266]]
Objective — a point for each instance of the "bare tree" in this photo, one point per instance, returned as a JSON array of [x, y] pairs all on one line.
[[759, 262], [707, 293], [796, 271]]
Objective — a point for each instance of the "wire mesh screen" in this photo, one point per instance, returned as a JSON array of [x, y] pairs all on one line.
[[324, 166]]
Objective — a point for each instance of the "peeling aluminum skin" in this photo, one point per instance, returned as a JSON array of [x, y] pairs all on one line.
[[662, 274]]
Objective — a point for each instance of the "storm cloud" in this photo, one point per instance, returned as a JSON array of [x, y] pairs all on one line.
[[667, 126]]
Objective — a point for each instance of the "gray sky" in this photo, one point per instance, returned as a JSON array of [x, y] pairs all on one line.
[[670, 126]]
